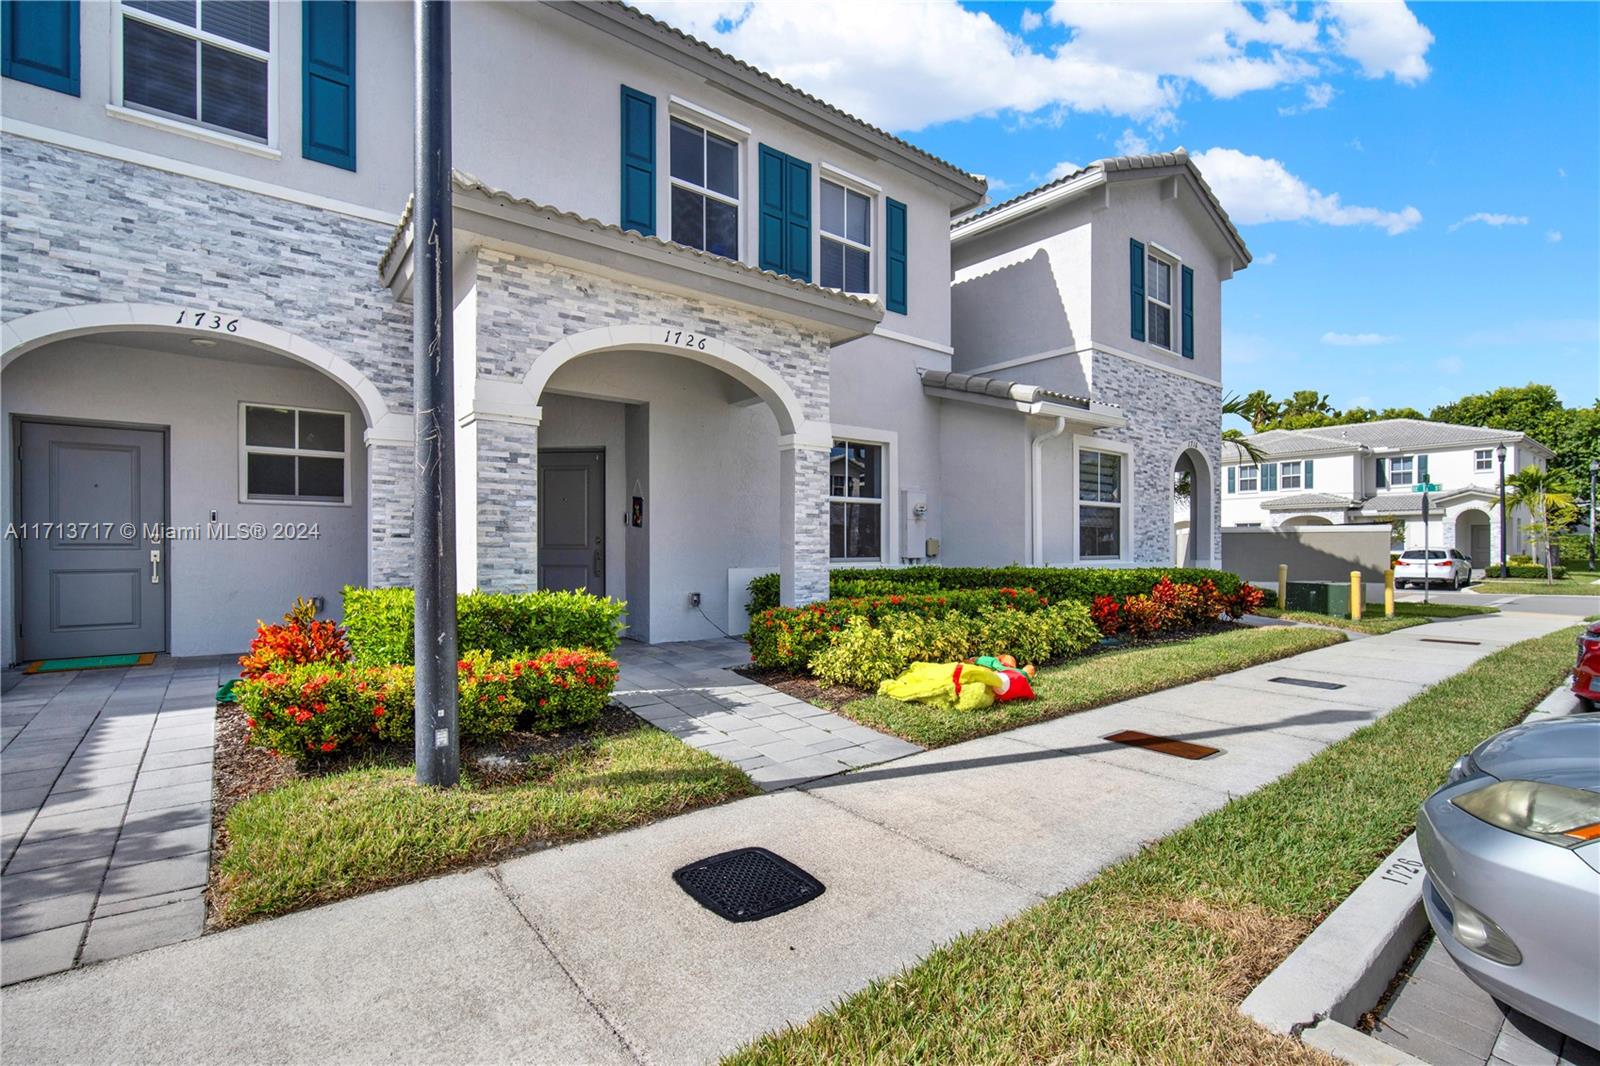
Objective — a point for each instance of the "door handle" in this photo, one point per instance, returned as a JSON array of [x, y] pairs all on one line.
[[598, 564], [155, 566]]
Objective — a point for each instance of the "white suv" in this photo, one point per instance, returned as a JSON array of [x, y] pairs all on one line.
[[1433, 566]]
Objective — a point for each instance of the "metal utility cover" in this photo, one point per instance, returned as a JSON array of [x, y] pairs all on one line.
[[1305, 682], [1183, 749], [748, 884], [1446, 640]]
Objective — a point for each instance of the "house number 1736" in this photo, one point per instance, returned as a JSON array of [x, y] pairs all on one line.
[[685, 340], [207, 320]]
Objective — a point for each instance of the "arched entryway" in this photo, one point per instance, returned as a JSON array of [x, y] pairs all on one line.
[[1300, 521], [217, 469], [1193, 503], [1474, 537]]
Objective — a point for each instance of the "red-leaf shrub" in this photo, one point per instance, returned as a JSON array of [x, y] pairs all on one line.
[[1247, 600], [1107, 614], [297, 640], [1145, 616]]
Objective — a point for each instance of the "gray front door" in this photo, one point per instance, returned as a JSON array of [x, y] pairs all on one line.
[[572, 540], [1480, 547], [93, 503]]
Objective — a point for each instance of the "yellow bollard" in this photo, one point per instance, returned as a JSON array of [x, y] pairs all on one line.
[[1283, 586], [1356, 595], [1388, 593]]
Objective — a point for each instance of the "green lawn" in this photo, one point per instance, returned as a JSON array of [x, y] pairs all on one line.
[[323, 838], [1576, 583], [1091, 681], [1373, 621], [1148, 961]]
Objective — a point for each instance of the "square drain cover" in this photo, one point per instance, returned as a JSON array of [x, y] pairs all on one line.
[[1305, 682], [1183, 749], [748, 884]]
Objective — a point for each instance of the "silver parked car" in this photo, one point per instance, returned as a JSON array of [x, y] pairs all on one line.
[[1432, 566], [1511, 846]]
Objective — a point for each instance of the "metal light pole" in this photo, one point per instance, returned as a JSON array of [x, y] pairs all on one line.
[[1427, 561], [1500, 454], [438, 749], [1594, 468]]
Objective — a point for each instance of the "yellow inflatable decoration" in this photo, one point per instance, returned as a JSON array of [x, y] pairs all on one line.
[[962, 686]]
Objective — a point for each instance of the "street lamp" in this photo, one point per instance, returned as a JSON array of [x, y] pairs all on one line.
[[1500, 454], [1594, 468]]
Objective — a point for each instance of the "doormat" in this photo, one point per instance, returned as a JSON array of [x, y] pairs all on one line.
[[1183, 749], [88, 662], [1446, 640], [748, 884], [1305, 682]]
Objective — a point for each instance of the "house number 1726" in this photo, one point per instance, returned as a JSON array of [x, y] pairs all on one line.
[[684, 340], [207, 320]]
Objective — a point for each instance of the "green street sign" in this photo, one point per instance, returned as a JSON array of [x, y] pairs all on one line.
[[1426, 487]]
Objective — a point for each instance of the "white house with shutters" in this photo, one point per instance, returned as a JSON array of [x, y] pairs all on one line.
[[707, 326], [1375, 472]]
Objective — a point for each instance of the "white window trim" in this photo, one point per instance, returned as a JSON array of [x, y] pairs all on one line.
[[1283, 474], [1487, 461], [1255, 469], [1411, 475], [245, 450], [827, 172], [740, 145], [1082, 444], [117, 108], [1175, 282], [889, 440]]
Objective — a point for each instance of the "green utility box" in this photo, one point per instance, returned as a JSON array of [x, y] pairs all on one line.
[[1319, 597]]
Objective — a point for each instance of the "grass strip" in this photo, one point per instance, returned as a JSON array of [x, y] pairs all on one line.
[[1576, 583], [1148, 961], [1373, 621], [1092, 681], [324, 838]]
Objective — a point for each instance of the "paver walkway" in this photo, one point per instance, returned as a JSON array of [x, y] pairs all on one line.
[[590, 952], [688, 690], [106, 829]]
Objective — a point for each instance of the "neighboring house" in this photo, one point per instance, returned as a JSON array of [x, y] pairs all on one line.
[[1370, 472], [703, 329]]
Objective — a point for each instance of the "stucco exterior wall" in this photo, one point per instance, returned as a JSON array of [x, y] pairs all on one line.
[[1023, 290]]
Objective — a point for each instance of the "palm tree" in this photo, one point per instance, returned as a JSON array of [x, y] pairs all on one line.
[[1248, 408], [1548, 497]]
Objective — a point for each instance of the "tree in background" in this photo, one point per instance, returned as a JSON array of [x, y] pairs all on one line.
[[1547, 495]]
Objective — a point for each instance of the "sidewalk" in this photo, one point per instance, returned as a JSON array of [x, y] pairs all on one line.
[[590, 953]]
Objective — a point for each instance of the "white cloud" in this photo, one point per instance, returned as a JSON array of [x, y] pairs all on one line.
[[1449, 364], [1318, 96], [1384, 38], [1031, 20], [905, 66], [1357, 340], [1061, 170], [1490, 218], [1265, 260], [1256, 189], [1553, 236], [1130, 143]]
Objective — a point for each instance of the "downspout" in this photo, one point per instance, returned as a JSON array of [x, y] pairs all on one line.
[[1036, 495]]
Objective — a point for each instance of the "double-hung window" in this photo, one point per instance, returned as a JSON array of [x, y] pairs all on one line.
[[294, 455], [855, 501], [1289, 475], [1483, 460], [1402, 470], [1099, 505], [1249, 478], [1158, 301], [705, 190], [205, 62], [846, 259]]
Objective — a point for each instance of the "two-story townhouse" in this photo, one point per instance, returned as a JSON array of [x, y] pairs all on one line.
[[1083, 423], [1375, 472]]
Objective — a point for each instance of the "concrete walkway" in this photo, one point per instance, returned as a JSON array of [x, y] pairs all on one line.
[[590, 952], [107, 812], [689, 690]]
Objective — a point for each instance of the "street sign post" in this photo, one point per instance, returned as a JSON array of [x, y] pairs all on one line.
[[1427, 582], [1426, 486]]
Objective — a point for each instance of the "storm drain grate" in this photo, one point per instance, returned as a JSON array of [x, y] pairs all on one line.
[[1183, 749], [748, 884], [1305, 682], [1446, 640]]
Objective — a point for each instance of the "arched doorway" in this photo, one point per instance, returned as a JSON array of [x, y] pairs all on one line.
[[1193, 510], [1300, 521], [1473, 533], [215, 474]]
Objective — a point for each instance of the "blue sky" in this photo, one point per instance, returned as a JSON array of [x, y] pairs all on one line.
[[1420, 187]]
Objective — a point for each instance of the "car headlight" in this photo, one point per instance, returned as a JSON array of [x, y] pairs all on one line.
[[1464, 768], [1552, 813]]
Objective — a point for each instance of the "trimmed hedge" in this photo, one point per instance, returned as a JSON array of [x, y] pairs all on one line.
[[379, 623], [1527, 570]]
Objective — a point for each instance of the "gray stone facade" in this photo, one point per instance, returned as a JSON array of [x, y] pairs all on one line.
[[1167, 413]]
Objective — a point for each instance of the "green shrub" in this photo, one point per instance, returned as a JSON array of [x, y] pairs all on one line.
[[937, 639], [378, 623], [764, 592], [1074, 631], [1528, 570], [1572, 550], [1055, 583], [858, 655]]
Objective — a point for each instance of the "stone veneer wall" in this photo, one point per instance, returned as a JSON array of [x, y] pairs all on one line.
[[1167, 413], [526, 305], [84, 229]]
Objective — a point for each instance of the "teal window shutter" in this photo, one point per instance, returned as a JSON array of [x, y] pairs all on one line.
[[1232, 478], [1188, 313], [894, 297], [1422, 469], [638, 162], [1269, 477], [1136, 288], [1308, 474], [40, 43], [1383, 473], [784, 199], [328, 82]]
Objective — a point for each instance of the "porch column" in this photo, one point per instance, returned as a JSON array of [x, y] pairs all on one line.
[[391, 493], [500, 501], [802, 521]]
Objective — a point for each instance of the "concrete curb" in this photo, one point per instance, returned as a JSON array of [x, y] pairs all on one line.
[[1352, 1045], [1341, 969]]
